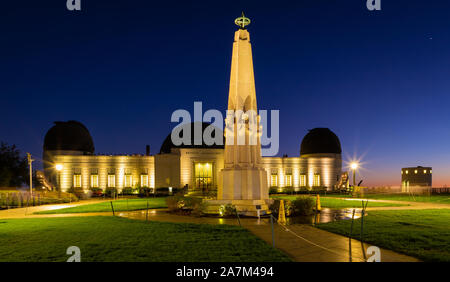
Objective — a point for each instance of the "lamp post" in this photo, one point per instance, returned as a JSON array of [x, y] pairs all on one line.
[[354, 166], [58, 168], [30, 161]]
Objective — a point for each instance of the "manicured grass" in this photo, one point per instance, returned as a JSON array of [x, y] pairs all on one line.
[[107, 238], [438, 199], [119, 205], [424, 234], [333, 203]]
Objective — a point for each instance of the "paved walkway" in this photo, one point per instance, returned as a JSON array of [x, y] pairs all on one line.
[[302, 243], [28, 212]]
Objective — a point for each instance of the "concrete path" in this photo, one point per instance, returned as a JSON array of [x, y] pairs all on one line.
[[302, 243], [28, 212]]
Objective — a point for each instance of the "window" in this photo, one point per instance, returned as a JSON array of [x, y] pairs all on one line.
[[144, 180], [274, 180], [406, 172], [128, 180], [111, 180], [303, 180], [94, 180], [415, 171], [77, 180], [425, 171], [203, 175], [316, 181], [288, 180]]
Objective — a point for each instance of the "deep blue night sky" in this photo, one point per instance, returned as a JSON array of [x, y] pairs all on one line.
[[379, 80]]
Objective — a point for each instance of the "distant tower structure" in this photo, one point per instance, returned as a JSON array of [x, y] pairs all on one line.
[[416, 178]]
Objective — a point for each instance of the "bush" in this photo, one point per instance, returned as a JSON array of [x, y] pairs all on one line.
[[288, 190], [275, 207], [78, 192], [303, 205], [273, 190], [96, 192], [199, 208], [145, 192], [109, 191], [180, 203], [130, 191]]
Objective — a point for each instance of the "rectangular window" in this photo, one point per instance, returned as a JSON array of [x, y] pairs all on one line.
[[203, 173], [144, 180], [302, 180], [77, 180], [316, 181], [111, 180], [274, 180], [288, 179], [128, 180], [94, 180]]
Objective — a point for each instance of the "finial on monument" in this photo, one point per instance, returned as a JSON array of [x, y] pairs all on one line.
[[242, 21]]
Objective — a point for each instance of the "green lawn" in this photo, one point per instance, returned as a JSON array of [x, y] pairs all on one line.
[[438, 199], [121, 239], [424, 234], [119, 205], [333, 203]]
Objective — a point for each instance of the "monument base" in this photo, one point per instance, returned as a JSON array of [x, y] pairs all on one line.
[[243, 207]]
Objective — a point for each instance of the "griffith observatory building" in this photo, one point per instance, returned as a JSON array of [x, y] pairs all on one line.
[[70, 161]]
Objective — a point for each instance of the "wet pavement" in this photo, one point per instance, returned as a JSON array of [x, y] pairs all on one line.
[[302, 242]]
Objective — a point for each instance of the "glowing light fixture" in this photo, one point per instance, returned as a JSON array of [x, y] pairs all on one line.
[[354, 165], [58, 167]]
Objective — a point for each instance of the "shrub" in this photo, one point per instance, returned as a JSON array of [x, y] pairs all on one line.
[[130, 191], [273, 190], [180, 203], [96, 192], [109, 191], [275, 207], [172, 203], [145, 192], [303, 205], [229, 210], [199, 208], [78, 192], [288, 190]]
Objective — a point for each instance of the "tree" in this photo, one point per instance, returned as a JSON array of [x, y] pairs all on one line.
[[13, 167]]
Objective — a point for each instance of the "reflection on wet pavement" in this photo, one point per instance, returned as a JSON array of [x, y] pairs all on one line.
[[326, 215]]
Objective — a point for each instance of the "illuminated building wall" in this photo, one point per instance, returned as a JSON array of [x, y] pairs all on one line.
[[325, 168], [178, 169], [136, 167]]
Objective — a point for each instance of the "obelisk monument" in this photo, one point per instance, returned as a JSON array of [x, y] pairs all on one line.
[[243, 181]]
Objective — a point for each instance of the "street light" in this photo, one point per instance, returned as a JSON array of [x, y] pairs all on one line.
[[354, 166], [58, 168]]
